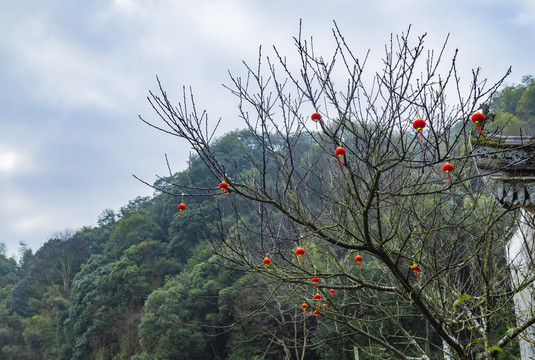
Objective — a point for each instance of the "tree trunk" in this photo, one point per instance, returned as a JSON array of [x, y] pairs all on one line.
[[520, 256]]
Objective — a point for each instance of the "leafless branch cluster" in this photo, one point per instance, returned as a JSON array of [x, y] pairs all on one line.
[[386, 199]]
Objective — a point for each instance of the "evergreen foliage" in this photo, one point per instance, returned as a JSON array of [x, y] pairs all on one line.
[[514, 109]]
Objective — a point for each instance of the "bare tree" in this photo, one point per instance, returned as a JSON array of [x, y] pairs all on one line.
[[413, 251]]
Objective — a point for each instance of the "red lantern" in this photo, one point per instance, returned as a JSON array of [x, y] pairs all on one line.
[[315, 281], [340, 152], [478, 118], [331, 291], [317, 313], [317, 297], [324, 308], [419, 124], [181, 207], [266, 262], [315, 117], [223, 185], [415, 268], [305, 307], [300, 252], [447, 168], [358, 259]]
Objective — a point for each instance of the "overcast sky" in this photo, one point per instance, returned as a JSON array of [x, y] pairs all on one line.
[[75, 76]]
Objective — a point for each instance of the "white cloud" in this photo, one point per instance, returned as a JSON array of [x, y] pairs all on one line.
[[15, 161], [128, 7], [31, 224], [526, 16], [59, 72], [8, 161], [19, 214]]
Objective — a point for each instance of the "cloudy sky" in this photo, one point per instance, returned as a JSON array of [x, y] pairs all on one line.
[[75, 76]]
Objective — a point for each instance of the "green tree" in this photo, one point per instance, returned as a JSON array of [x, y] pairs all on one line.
[[108, 299], [185, 319], [132, 230], [55, 263], [526, 103], [514, 108], [8, 271], [164, 330], [88, 326], [506, 100]]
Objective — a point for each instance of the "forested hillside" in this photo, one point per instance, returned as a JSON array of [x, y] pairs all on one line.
[[514, 107], [150, 282], [106, 292]]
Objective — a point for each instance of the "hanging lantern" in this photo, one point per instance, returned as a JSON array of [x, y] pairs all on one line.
[[300, 252], [324, 308], [316, 117], [340, 152], [331, 291], [478, 118], [305, 307], [419, 124], [181, 207], [317, 297], [223, 185], [447, 168], [315, 281], [317, 313], [266, 262], [415, 268], [358, 259]]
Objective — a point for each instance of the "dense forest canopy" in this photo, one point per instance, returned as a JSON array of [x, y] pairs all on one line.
[[514, 107], [149, 282]]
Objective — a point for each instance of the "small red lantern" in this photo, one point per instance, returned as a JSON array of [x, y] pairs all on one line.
[[315, 281], [317, 313], [324, 308], [415, 268], [358, 259], [331, 291], [478, 118], [300, 252], [317, 297], [316, 117], [447, 168], [340, 152], [223, 185], [419, 124], [305, 307], [266, 262], [181, 207]]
